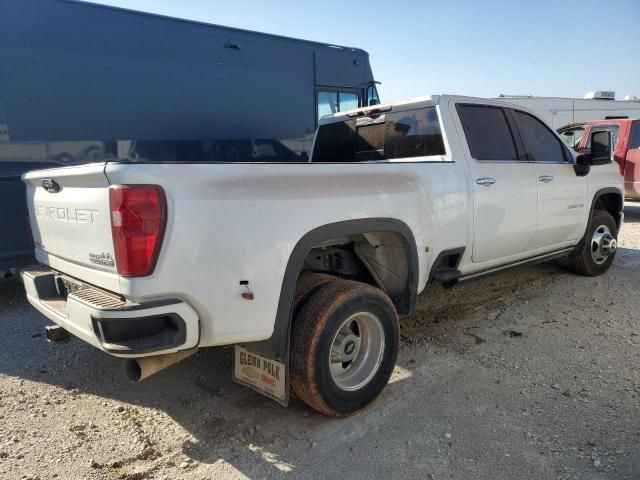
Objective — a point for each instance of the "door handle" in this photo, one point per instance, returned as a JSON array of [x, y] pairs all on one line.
[[485, 181], [545, 178]]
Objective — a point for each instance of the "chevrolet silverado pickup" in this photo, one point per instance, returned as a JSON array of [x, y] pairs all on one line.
[[305, 267]]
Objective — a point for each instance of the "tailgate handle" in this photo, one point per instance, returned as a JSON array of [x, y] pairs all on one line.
[[50, 185]]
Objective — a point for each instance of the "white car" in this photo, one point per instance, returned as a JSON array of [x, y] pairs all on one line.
[[306, 266]]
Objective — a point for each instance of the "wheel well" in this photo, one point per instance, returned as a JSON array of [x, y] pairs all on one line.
[[612, 203], [382, 259]]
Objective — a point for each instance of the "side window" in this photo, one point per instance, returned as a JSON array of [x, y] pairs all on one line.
[[487, 131], [330, 102], [635, 136], [394, 135], [540, 143], [372, 96], [614, 129], [572, 137]]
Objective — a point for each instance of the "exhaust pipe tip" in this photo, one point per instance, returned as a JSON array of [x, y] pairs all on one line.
[[137, 369], [132, 370]]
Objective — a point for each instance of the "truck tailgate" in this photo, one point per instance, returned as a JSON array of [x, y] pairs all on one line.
[[69, 214]]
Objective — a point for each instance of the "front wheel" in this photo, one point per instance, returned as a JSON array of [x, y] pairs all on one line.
[[344, 346], [595, 253]]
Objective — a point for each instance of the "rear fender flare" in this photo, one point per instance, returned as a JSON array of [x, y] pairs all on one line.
[[277, 346]]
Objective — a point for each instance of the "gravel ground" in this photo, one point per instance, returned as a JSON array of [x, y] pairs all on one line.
[[532, 374]]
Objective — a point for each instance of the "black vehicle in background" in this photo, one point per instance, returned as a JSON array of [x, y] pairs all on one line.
[[84, 83], [16, 246]]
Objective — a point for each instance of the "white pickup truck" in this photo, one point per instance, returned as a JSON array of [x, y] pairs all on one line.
[[305, 267]]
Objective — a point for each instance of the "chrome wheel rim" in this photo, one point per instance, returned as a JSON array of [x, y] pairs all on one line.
[[356, 351], [603, 244]]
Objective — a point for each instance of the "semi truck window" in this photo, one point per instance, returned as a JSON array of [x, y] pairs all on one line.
[[540, 143], [395, 135], [330, 102], [487, 132], [348, 101], [372, 95]]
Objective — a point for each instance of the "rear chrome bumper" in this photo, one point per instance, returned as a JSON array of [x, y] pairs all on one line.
[[109, 322]]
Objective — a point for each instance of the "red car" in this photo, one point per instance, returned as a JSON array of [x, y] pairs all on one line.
[[626, 140]]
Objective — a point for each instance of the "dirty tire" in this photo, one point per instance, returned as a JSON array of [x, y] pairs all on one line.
[[308, 283], [312, 337], [580, 260]]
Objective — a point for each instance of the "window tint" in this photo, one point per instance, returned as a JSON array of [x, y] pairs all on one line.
[[370, 141], [413, 134], [335, 142], [540, 143], [572, 137], [635, 136], [487, 132], [395, 135]]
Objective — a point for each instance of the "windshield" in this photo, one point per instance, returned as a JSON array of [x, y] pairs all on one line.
[[572, 137]]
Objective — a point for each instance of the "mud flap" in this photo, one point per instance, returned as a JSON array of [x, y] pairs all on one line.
[[267, 374]]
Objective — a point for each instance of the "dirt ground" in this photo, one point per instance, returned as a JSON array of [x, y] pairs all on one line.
[[532, 374]]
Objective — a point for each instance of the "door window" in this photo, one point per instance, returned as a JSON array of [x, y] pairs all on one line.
[[488, 133], [372, 95], [540, 144], [614, 129]]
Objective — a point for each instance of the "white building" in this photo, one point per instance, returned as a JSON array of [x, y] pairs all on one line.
[[558, 111]]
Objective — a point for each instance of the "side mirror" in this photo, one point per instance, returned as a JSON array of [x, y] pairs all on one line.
[[582, 166], [600, 153], [601, 147]]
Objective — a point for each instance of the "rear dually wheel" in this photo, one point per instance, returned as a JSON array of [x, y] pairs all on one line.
[[344, 345]]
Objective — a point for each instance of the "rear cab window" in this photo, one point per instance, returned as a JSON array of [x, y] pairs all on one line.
[[389, 136]]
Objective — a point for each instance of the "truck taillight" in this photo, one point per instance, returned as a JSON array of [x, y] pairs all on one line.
[[138, 220]]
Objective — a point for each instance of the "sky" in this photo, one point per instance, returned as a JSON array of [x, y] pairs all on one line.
[[483, 48]]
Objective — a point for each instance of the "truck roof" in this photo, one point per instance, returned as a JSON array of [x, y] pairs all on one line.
[[206, 24], [413, 103]]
